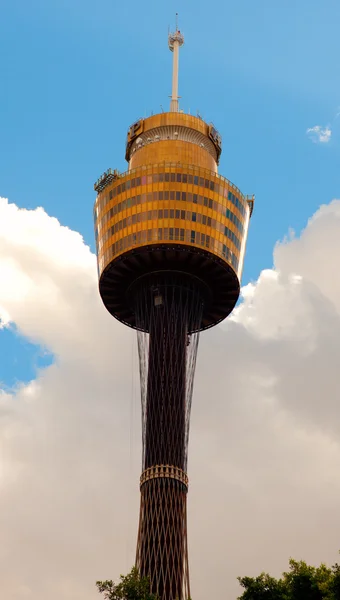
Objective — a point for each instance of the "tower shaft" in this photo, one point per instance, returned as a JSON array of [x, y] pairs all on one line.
[[168, 307]]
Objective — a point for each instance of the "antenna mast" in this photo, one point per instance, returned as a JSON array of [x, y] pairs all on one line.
[[175, 40]]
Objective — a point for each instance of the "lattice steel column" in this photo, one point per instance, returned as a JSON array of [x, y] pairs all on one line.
[[169, 308], [162, 539]]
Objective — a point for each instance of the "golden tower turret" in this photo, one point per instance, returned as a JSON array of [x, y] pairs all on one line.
[[170, 235]]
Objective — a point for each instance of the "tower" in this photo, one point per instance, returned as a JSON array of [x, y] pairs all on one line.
[[170, 236]]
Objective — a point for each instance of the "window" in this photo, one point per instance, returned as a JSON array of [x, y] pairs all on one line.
[[182, 214], [194, 199], [172, 176], [166, 176], [166, 214], [172, 195], [160, 214], [184, 178], [204, 219], [161, 177], [192, 237], [178, 195], [178, 177], [160, 195], [166, 195], [193, 216], [184, 196], [172, 214], [171, 233], [195, 180], [178, 214]]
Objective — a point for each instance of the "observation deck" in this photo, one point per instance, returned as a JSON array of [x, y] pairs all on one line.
[[171, 211]]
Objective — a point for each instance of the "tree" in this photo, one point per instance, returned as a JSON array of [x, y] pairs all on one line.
[[130, 587], [301, 582]]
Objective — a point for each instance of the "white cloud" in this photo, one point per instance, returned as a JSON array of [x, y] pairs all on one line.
[[319, 134], [264, 449]]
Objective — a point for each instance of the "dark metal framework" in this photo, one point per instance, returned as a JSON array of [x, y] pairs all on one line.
[[169, 309]]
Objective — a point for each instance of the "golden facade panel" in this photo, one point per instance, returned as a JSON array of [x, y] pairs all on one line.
[[173, 151], [171, 205]]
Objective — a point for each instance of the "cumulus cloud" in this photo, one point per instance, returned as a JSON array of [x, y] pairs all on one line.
[[264, 449], [319, 134]]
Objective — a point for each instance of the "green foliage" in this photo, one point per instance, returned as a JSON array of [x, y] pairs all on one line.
[[130, 587], [301, 582]]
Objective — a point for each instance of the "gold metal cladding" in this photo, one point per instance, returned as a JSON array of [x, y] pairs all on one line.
[[176, 151], [164, 471], [172, 203], [173, 133], [173, 119]]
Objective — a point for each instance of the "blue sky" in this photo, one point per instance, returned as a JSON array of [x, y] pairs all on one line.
[[76, 74]]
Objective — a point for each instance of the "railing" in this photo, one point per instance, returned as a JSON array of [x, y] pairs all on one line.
[[105, 179]]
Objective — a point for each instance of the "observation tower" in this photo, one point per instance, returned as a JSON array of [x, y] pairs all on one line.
[[170, 235]]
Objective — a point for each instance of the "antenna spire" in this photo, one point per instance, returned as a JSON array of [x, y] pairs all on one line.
[[175, 40]]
